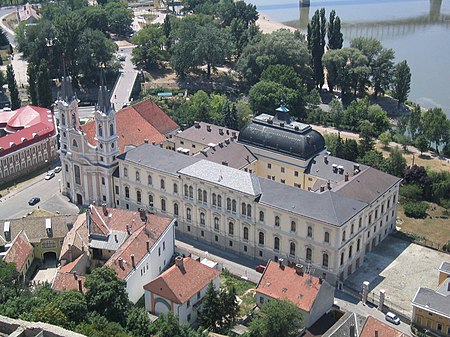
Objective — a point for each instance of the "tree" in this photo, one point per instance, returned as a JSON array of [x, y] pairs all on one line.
[[168, 326], [3, 39], [99, 326], [422, 143], [435, 126], [44, 89], [211, 313], [50, 313], [106, 294], [335, 37], [416, 210], [337, 113], [415, 125], [119, 17], [149, 50], [316, 44], [12, 87], [138, 322], [385, 138], [374, 159], [73, 305], [396, 163], [230, 306], [10, 285], [277, 318], [401, 82], [416, 175], [32, 87], [230, 117]]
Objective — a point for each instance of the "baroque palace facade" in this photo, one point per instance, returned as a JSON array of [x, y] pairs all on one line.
[[270, 191]]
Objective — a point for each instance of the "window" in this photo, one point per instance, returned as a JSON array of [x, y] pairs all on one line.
[[325, 260], [127, 192], [175, 209], [219, 201], [117, 189], [202, 218], [244, 209], [282, 170], [198, 295], [214, 199], [230, 228], [149, 180], [327, 237], [233, 206], [100, 130], [382, 209], [103, 180], [308, 254], [343, 236], [150, 200], [261, 216], [231, 243], [370, 219], [342, 258], [66, 167], [228, 204], [376, 214], [199, 195], [310, 232], [188, 303], [175, 188], [74, 143], [77, 174], [186, 190], [269, 165], [216, 223], [292, 249], [111, 129], [63, 119], [159, 251], [163, 205], [276, 243], [216, 238], [352, 229], [293, 226], [188, 214], [246, 233], [205, 196], [358, 244], [202, 233], [393, 200], [388, 203], [261, 238], [138, 197], [296, 173], [360, 222], [350, 251], [163, 184], [125, 172], [277, 221]]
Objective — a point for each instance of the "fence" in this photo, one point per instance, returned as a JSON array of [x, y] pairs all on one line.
[[422, 241]]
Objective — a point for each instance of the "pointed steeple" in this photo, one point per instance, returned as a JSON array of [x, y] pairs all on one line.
[[66, 92], [104, 99]]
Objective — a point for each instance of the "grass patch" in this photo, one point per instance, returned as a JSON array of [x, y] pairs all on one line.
[[243, 290], [11, 21], [41, 213]]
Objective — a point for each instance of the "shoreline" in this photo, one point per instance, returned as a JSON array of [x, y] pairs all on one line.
[[267, 25]]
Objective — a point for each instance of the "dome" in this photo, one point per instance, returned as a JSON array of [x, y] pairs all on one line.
[[293, 139]]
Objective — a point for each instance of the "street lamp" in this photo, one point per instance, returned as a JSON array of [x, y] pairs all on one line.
[[59, 184]]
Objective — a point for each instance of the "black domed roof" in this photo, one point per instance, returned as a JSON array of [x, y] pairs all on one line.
[[293, 139]]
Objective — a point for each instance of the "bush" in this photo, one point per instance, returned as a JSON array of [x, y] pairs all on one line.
[[411, 191], [416, 210]]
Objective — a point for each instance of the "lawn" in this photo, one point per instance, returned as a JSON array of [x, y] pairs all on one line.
[[435, 227], [244, 290]]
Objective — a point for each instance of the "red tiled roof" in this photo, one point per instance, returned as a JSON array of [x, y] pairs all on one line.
[[19, 251], [27, 125], [287, 284], [67, 281], [67, 268], [136, 244], [116, 220], [384, 330], [180, 284], [137, 123]]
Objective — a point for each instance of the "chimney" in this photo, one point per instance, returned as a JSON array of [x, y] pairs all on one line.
[[341, 169], [120, 262], [6, 230], [228, 132], [224, 163], [133, 263], [352, 331], [179, 261], [227, 141], [320, 280], [80, 286], [233, 134], [128, 230], [115, 238], [334, 168], [75, 275], [142, 214], [280, 262], [146, 141], [356, 169], [299, 269], [329, 185], [346, 176], [208, 127], [322, 188], [153, 142], [248, 158], [148, 246], [105, 210], [221, 132], [282, 124], [197, 125], [70, 253]]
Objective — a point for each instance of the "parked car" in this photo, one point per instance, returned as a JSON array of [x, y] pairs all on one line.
[[49, 175], [393, 318], [260, 268], [57, 169], [33, 201]]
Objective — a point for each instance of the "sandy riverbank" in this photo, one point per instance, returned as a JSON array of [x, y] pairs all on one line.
[[267, 25]]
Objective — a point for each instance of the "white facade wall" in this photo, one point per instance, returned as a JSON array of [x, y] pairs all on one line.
[[151, 265]]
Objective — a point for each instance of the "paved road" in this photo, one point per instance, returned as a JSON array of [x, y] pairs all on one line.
[[15, 204], [122, 90]]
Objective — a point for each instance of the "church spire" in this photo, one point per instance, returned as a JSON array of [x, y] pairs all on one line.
[[104, 99]]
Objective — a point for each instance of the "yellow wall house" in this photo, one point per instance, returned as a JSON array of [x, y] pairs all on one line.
[[431, 308]]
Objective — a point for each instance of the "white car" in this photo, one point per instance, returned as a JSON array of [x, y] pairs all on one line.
[[57, 169], [49, 175], [393, 318]]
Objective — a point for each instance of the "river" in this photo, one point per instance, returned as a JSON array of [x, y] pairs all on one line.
[[417, 30]]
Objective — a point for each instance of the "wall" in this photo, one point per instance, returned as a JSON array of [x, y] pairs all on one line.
[[428, 320]]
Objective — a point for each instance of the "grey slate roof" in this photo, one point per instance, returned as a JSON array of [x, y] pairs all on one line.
[[342, 327], [224, 176], [158, 158], [115, 240], [367, 186], [444, 288], [236, 155], [445, 267], [328, 206], [430, 300], [199, 133]]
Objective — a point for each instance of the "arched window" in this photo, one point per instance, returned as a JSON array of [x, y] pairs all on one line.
[[277, 221], [358, 245], [138, 176], [325, 260], [244, 209], [127, 192], [261, 216], [175, 188], [216, 223], [199, 195], [276, 243], [188, 214], [150, 200], [219, 200], [74, 143], [327, 237], [202, 218], [77, 174], [214, 199], [308, 254], [100, 130], [63, 119], [310, 232], [350, 251], [233, 206], [292, 249], [342, 258], [261, 238], [138, 197], [228, 204], [230, 228], [111, 129], [205, 196], [191, 192], [343, 236], [186, 190], [245, 233], [293, 226], [249, 210], [149, 180], [175, 209], [125, 172], [163, 205], [163, 184]]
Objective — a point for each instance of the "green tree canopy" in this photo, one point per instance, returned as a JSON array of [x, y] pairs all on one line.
[[335, 37], [149, 50], [12, 87], [402, 82], [119, 17]]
